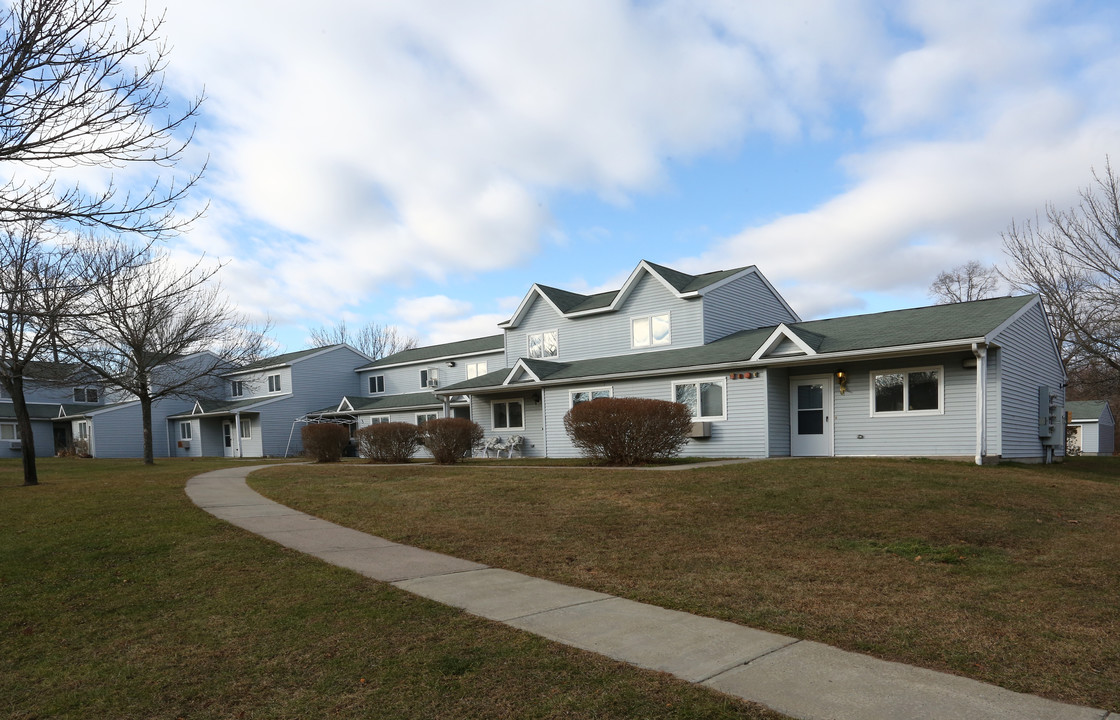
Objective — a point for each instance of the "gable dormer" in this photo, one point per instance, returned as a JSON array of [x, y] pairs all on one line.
[[785, 342]]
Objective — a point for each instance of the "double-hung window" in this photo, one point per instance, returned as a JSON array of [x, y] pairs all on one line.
[[575, 397], [237, 388], [704, 398], [650, 331], [246, 429], [509, 415], [475, 369], [9, 431], [83, 430], [85, 395], [429, 378], [185, 430], [378, 419], [915, 391], [376, 384], [543, 344], [274, 383]]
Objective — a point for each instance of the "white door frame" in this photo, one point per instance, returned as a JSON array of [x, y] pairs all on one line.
[[828, 440], [229, 431]]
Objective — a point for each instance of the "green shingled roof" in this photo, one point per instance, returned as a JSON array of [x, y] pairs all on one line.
[[451, 349], [896, 328], [685, 283], [1086, 409], [37, 411], [285, 359]]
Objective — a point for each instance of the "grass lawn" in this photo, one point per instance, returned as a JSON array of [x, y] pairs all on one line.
[[121, 599], [1006, 574]]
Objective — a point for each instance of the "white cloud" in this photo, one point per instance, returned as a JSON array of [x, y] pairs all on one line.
[[423, 310]]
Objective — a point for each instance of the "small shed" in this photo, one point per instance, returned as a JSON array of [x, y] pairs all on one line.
[[1091, 429]]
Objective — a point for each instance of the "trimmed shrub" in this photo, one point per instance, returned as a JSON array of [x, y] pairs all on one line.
[[325, 442], [392, 442], [451, 439], [629, 431]]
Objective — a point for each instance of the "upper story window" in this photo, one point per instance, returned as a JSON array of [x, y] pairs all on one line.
[[509, 415], [237, 388], [274, 383], [917, 390], [185, 430], [429, 378], [475, 369], [704, 398], [85, 395], [543, 344], [376, 384], [650, 331], [575, 397]]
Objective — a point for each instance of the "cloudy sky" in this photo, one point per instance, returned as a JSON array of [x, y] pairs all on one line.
[[423, 163]]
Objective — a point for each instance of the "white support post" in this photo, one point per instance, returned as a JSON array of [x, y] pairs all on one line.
[[980, 350], [237, 431]]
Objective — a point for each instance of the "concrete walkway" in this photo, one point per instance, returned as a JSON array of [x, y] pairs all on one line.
[[800, 678]]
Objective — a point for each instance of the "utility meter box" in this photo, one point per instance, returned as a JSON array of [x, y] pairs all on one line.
[[1051, 414]]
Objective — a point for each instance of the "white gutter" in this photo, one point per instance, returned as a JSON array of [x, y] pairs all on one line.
[[980, 350]]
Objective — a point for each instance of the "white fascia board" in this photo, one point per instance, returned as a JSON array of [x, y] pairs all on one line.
[[429, 361], [519, 365], [1035, 302], [524, 306], [344, 405], [782, 332]]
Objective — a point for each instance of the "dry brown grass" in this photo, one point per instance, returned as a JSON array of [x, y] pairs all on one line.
[[1006, 574]]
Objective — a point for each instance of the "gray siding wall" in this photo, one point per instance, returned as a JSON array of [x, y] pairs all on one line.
[[608, 334], [255, 384], [777, 392], [743, 304], [406, 379], [742, 434], [1027, 360], [533, 432], [1090, 438], [315, 383], [42, 432], [119, 432], [1106, 438], [196, 441]]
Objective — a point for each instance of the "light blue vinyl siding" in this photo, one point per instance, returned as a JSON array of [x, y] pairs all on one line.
[[608, 333], [119, 431], [406, 378], [533, 417], [742, 434], [742, 304], [196, 440], [255, 384], [777, 391], [1028, 360]]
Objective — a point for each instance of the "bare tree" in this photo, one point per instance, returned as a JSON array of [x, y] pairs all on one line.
[[42, 278], [155, 332], [373, 339], [78, 89], [971, 281], [1073, 262]]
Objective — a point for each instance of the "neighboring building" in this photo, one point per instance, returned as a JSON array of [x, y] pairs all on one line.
[[50, 390], [970, 379], [401, 387], [1091, 429], [258, 411]]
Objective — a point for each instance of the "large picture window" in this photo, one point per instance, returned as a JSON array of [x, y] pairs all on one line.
[[917, 390], [704, 398], [650, 331], [543, 344], [509, 415]]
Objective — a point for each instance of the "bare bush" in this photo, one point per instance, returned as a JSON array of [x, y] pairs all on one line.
[[325, 442], [451, 439], [393, 442], [629, 431]]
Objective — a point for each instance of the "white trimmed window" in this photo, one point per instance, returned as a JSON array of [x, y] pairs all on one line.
[[376, 384], [575, 397], [422, 418], [429, 377], [85, 395], [543, 344], [650, 331], [509, 415], [83, 430], [246, 429], [704, 398], [9, 431], [185, 430], [915, 391], [378, 419], [475, 369], [274, 383], [237, 388]]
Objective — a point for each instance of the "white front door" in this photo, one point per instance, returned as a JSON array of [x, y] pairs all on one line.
[[227, 440], [810, 416]]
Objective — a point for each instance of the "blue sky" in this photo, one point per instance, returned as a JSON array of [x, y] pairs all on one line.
[[423, 163]]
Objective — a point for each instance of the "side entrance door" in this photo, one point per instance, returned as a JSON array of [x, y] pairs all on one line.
[[810, 421], [227, 440]]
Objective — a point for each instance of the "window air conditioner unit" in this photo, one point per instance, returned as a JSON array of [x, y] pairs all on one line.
[[433, 383], [15, 446], [185, 444], [700, 430]]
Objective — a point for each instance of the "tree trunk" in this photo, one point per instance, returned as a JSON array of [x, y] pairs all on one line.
[[26, 433], [146, 420]]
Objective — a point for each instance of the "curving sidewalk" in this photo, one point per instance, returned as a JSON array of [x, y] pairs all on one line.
[[800, 678]]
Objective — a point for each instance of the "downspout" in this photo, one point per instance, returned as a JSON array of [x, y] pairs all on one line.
[[980, 350], [237, 431]]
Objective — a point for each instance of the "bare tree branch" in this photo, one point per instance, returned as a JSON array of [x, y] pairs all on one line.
[[373, 339], [971, 281]]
